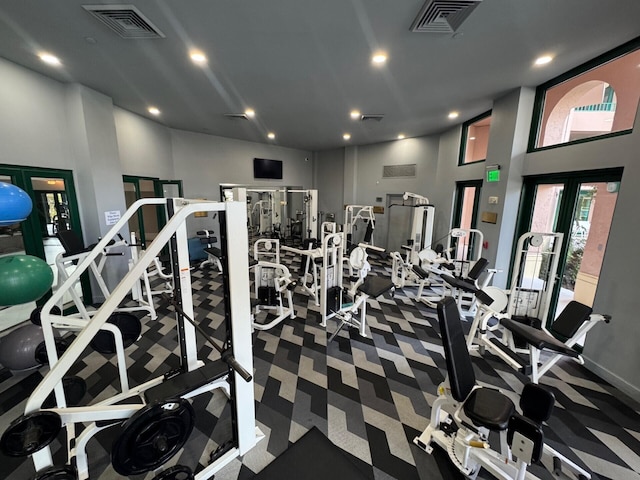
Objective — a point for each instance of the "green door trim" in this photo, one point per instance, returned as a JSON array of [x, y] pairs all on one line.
[[567, 206]]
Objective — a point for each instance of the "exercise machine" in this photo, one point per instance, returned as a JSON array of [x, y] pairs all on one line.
[[355, 215], [214, 254], [154, 430], [465, 414], [420, 238], [273, 284], [349, 306]]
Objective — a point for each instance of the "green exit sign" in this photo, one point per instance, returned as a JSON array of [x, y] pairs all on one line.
[[493, 175]]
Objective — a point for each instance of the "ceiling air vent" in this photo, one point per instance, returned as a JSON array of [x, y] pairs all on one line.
[[126, 20], [395, 171], [371, 116], [443, 16]]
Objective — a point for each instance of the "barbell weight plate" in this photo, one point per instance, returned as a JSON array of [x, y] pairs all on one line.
[[179, 472], [65, 472], [128, 324], [74, 389], [153, 435], [29, 433]]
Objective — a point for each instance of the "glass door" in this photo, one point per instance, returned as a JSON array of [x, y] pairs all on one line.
[[54, 209], [580, 206]]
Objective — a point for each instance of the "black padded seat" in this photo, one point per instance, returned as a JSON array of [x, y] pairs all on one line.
[[485, 407], [375, 286], [570, 320], [216, 252], [489, 408], [468, 283], [538, 338], [421, 272]]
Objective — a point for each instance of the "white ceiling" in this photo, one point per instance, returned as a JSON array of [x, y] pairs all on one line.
[[303, 65]]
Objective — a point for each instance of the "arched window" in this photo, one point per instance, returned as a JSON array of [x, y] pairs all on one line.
[[594, 100]]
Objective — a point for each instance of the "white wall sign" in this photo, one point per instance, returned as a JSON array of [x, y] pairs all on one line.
[[111, 218]]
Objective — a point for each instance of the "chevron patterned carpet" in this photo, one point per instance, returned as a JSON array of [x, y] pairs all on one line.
[[370, 396]]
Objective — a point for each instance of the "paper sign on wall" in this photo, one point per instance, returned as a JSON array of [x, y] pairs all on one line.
[[112, 217]]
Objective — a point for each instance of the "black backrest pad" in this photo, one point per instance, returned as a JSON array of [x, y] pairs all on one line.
[[530, 430], [479, 267], [70, 241], [536, 402], [461, 376], [568, 322]]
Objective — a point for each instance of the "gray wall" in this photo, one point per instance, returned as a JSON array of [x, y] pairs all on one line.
[[329, 180]]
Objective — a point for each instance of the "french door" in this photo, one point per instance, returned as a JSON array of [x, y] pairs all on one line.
[[580, 205]]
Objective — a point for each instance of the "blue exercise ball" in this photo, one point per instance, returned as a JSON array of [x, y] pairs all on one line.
[[18, 348], [15, 204], [23, 279]]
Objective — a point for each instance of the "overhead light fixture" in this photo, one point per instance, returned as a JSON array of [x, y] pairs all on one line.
[[543, 60], [51, 182], [401, 136], [250, 113], [198, 57], [50, 59], [271, 135], [453, 115], [472, 138], [154, 111], [379, 58], [355, 114], [347, 136]]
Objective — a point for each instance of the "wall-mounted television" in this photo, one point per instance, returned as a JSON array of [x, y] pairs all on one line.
[[265, 168]]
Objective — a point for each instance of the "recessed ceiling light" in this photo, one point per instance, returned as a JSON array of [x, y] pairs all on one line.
[[453, 115], [543, 60], [50, 59], [346, 136], [355, 114], [379, 58], [154, 111], [271, 135], [250, 113], [401, 136], [198, 57]]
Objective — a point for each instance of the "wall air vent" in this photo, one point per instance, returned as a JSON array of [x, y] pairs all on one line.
[[371, 116], [126, 20], [395, 171], [443, 16], [236, 116]]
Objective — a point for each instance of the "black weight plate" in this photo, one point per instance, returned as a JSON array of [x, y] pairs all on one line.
[[41, 350], [30, 433], [74, 389], [128, 324], [36, 313], [179, 472], [65, 472], [152, 436]]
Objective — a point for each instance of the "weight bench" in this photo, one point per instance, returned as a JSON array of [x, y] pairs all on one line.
[[214, 254], [568, 330]]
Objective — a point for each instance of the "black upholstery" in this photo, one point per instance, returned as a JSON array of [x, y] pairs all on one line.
[[569, 320], [485, 407], [538, 338], [421, 272], [71, 242], [536, 402], [529, 429], [468, 283], [375, 286]]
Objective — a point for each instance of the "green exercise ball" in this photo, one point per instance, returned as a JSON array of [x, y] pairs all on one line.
[[23, 279]]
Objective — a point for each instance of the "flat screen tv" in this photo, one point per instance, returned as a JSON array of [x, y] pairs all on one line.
[[264, 168]]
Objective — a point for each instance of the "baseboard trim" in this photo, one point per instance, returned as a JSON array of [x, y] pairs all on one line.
[[620, 383]]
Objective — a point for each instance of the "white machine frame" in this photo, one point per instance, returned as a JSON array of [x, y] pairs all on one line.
[[270, 273], [355, 213], [247, 434]]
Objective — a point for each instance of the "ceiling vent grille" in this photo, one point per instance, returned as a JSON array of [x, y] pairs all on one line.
[[395, 171], [371, 116], [126, 20], [236, 116], [443, 16]]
